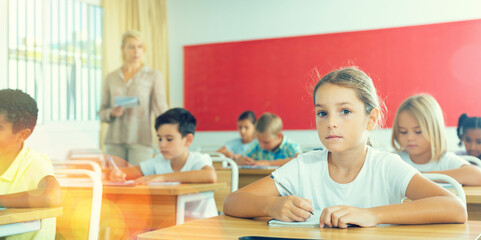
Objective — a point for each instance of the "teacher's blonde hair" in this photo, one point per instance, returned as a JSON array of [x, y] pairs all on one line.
[[131, 34]]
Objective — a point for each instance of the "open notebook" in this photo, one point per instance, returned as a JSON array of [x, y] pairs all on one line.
[[313, 221]]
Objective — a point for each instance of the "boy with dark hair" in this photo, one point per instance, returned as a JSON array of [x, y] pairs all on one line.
[[26, 177], [175, 130]]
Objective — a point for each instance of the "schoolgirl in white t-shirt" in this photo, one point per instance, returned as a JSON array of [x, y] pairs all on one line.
[[447, 161], [350, 182], [419, 136], [383, 175]]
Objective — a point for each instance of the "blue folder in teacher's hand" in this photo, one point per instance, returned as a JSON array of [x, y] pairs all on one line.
[[126, 102]]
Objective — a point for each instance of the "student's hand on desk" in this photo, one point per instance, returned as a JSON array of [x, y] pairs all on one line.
[[229, 154], [149, 178], [243, 160], [117, 175], [117, 111], [341, 216], [262, 163], [290, 208]]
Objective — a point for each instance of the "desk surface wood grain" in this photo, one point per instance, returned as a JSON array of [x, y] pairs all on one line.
[[225, 227], [473, 194]]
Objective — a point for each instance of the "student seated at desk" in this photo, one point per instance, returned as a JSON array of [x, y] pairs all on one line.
[[246, 126], [419, 136], [350, 182], [469, 132], [27, 178], [272, 148], [175, 130]]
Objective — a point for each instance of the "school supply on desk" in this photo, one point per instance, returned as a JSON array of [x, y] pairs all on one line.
[[313, 221], [111, 160], [285, 189], [126, 102]]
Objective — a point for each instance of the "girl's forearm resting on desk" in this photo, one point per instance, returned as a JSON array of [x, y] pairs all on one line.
[[466, 174], [261, 199], [48, 194], [226, 152], [250, 205], [246, 204], [440, 209], [430, 204]]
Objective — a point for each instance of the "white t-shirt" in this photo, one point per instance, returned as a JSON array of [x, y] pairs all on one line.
[[383, 180], [195, 161], [448, 161], [237, 147]]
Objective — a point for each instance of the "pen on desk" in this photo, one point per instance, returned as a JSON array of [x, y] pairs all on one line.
[[113, 163], [285, 189]]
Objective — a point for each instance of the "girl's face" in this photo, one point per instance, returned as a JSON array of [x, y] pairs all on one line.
[[410, 135], [246, 130], [472, 142], [341, 119], [133, 50]]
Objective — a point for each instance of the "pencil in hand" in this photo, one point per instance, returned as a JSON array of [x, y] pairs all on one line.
[[285, 189]]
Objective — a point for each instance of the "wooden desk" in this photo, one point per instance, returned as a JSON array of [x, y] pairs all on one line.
[[224, 227], [128, 211], [473, 201], [23, 220], [248, 176]]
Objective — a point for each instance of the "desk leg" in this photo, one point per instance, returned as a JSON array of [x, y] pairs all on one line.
[[183, 199], [18, 228]]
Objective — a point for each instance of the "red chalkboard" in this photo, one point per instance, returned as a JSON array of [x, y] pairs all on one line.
[[275, 75]]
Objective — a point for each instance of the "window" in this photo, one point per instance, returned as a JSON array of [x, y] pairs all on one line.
[[54, 54]]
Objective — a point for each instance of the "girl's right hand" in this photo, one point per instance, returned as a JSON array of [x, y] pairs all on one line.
[[229, 154], [117, 111], [243, 160], [117, 175], [290, 209]]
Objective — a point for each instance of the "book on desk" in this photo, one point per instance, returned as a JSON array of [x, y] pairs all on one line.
[[313, 221]]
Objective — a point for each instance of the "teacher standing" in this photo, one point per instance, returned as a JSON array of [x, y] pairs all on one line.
[[129, 135]]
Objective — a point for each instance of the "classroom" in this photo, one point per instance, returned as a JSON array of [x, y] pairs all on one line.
[[113, 169]]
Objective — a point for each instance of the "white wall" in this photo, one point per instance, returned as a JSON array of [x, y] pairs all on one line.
[[209, 21], [3, 42], [197, 22], [56, 138]]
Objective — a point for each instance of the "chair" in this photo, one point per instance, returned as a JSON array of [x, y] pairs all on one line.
[[76, 182], [95, 155], [94, 165], [447, 182], [228, 175], [472, 159], [218, 155]]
